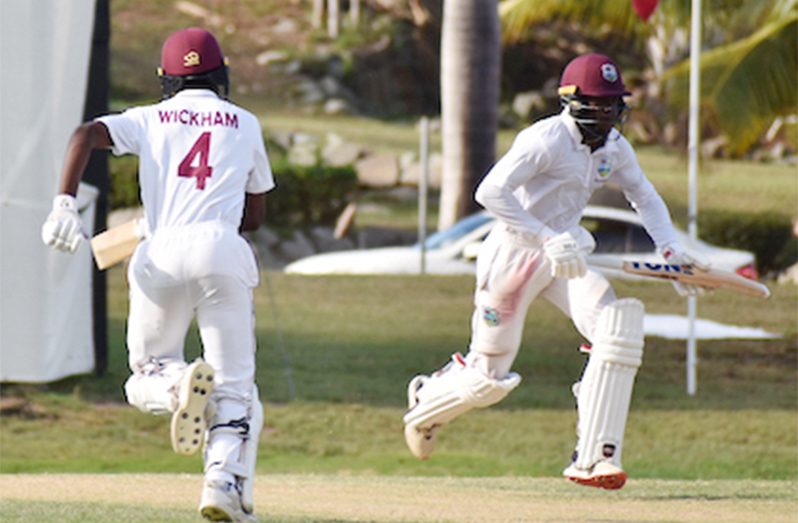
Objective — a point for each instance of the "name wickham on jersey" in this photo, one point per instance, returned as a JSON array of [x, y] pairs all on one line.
[[199, 119]]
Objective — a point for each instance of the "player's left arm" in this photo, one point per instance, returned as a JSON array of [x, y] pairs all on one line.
[[643, 196], [657, 221], [261, 180], [254, 212]]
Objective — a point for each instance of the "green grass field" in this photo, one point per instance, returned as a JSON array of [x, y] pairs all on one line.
[[352, 344]]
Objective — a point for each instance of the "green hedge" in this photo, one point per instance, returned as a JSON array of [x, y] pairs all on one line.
[[305, 195], [124, 191], [310, 195], [768, 235]]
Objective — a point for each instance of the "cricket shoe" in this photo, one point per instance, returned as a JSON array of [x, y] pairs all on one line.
[[420, 441], [603, 474], [189, 421], [221, 501]]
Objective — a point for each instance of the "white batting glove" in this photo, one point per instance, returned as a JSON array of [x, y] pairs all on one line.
[[567, 259], [675, 254], [63, 229]]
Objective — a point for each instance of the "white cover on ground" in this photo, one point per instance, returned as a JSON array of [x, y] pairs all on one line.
[[45, 296], [675, 327]]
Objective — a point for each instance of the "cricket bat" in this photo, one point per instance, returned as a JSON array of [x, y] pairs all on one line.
[[686, 273], [114, 245]]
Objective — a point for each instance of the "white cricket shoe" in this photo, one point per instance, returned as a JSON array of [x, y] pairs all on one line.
[[188, 421], [221, 501], [420, 441], [603, 474]]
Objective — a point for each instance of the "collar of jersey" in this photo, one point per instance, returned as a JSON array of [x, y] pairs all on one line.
[[576, 134], [196, 93], [573, 130]]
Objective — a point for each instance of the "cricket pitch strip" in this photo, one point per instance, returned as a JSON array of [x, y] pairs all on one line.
[[360, 498]]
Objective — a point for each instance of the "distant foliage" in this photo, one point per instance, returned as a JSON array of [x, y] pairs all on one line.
[[768, 235], [307, 196]]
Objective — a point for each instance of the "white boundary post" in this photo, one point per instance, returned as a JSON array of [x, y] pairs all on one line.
[[423, 181], [692, 182]]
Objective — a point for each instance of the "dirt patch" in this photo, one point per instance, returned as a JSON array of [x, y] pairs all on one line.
[[22, 408], [392, 499]]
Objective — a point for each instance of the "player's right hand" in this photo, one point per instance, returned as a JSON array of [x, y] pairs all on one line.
[[63, 229], [567, 259], [675, 254]]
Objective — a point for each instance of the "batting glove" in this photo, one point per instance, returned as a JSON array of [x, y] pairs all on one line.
[[63, 229], [675, 254], [567, 259]]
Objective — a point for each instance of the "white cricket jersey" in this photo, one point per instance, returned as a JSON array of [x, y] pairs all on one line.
[[543, 183], [198, 156]]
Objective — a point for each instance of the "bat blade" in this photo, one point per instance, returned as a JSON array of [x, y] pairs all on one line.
[[686, 273], [114, 245]]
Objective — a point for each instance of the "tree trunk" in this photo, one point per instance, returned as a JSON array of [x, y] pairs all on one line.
[[332, 18], [470, 67], [354, 13], [318, 13]]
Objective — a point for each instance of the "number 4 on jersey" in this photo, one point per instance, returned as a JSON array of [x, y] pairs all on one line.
[[201, 170]]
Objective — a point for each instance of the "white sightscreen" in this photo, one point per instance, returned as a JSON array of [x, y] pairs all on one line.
[[45, 296]]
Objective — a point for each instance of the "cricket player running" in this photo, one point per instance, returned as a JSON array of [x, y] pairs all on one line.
[[203, 172], [538, 192]]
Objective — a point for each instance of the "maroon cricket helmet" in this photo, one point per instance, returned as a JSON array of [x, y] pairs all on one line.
[[592, 75], [191, 52]]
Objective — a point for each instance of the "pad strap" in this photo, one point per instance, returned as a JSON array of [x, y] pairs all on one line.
[[152, 388], [238, 457]]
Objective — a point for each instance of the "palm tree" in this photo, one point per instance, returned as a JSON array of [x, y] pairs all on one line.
[[470, 69], [748, 77]]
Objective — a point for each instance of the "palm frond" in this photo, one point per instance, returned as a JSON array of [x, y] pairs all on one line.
[[518, 16], [746, 84], [783, 9], [763, 84]]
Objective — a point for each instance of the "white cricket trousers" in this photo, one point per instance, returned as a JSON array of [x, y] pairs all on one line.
[[205, 269], [512, 271]]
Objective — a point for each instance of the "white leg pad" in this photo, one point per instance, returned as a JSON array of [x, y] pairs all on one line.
[[232, 443], [438, 399], [152, 388], [604, 393]]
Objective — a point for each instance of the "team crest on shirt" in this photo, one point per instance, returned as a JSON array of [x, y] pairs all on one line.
[[491, 316], [603, 169]]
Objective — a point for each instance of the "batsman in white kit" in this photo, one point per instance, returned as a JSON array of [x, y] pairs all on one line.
[[538, 191], [203, 173]]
